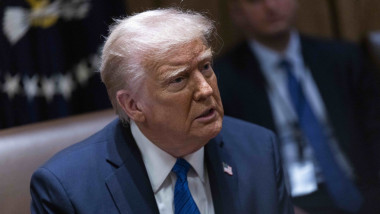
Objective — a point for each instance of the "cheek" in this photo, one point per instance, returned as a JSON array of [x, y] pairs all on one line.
[[257, 23], [174, 106], [289, 8], [216, 93], [214, 86], [217, 96], [253, 16]]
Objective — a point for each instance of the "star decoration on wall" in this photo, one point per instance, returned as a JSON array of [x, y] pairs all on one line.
[[95, 61], [31, 86], [66, 85], [57, 84], [48, 88], [82, 72], [11, 85]]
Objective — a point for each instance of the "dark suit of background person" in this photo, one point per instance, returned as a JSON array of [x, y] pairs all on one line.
[[337, 70], [348, 91], [106, 174], [171, 113]]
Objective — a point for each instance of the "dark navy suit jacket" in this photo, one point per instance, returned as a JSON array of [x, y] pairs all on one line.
[[106, 174], [346, 84]]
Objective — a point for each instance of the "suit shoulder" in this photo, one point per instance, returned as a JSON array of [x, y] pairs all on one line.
[[83, 150], [236, 54], [334, 45], [236, 126], [243, 139]]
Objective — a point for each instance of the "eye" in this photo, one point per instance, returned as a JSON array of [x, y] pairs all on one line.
[[207, 69], [177, 80], [177, 83], [207, 66]]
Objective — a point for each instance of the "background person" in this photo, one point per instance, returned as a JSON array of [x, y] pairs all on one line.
[[319, 96]]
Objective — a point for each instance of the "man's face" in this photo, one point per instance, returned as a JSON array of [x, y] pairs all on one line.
[[181, 101], [265, 18]]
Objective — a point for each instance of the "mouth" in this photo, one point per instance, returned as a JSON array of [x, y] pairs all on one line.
[[207, 114]]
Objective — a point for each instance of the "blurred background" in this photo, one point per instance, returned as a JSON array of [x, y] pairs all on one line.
[[49, 49]]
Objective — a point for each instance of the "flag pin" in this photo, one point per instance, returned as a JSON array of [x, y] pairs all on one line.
[[227, 169]]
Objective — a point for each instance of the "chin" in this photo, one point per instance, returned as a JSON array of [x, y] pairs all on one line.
[[215, 129], [207, 132]]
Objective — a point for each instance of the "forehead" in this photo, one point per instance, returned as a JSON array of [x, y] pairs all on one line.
[[186, 53], [183, 57]]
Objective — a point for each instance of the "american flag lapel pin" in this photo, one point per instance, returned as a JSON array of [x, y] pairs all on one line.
[[227, 169]]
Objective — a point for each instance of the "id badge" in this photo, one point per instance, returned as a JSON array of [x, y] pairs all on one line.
[[302, 178]]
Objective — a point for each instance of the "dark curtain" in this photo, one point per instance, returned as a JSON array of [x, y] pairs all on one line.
[[49, 57]]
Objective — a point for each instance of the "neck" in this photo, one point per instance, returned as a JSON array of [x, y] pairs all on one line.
[[277, 43], [177, 146]]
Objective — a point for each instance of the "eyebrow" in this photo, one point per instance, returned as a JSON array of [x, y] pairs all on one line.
[[173, 73], [207, 54]]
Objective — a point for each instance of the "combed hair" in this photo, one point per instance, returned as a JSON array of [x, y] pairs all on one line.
[[137, 42]]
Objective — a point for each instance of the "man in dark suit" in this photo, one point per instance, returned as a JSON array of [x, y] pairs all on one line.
[[314, 93], [171, 151]]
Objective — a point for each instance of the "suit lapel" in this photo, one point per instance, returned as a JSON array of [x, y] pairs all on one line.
[[129, 185], [223, 186]]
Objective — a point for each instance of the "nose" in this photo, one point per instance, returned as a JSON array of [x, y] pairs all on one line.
[[202, 87]]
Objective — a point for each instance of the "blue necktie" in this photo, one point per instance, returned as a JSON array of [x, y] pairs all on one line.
[[183, 201], [343, 191]]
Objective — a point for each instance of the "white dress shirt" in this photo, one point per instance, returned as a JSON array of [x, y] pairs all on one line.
[[303, 176], [159, 164]]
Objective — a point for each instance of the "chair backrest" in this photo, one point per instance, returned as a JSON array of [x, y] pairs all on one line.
[[23, 149]]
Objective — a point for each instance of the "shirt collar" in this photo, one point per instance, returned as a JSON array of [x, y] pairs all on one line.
[[159, 163]]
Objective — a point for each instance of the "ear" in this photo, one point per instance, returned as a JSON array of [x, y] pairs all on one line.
[[130, 106]]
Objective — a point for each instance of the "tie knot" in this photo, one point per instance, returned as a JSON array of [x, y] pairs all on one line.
[[285, 64], [181, 168]]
